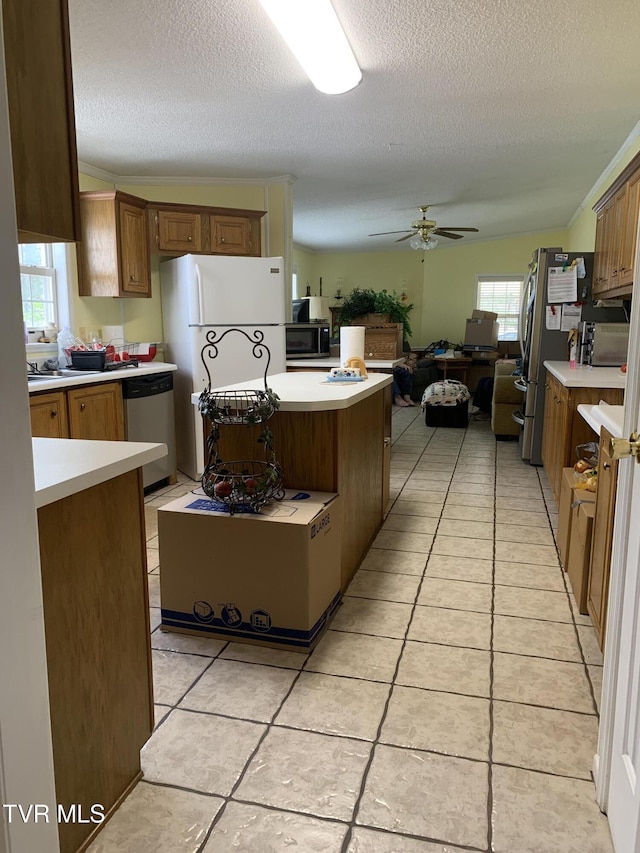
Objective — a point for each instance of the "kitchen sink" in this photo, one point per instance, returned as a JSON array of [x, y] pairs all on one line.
[[57, 374]]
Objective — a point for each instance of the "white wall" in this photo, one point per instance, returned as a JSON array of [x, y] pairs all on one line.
[[26, 763]]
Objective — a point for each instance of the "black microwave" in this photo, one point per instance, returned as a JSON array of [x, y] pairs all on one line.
[[307, 340]]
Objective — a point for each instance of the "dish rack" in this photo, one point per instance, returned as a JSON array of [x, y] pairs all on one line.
[[241, 484], [119, 350]]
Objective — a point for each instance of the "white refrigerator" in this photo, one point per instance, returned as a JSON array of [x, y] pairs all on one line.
[[205, 293]]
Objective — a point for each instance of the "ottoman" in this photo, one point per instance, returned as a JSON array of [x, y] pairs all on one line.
[[446, 404]]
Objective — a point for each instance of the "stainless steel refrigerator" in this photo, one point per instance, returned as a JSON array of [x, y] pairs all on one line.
[[539, 343], [207, 293]]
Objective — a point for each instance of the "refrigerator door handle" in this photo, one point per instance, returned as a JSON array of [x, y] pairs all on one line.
[[521, 385], [200, 296], [523, 308]]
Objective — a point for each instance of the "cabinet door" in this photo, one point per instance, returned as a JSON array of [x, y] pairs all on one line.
[[231, 235], [178, 232], [49, 415], [96, 412], [598, 592], [629, 230], [618, 219], [134, 250], [604, 237], [41, 119]]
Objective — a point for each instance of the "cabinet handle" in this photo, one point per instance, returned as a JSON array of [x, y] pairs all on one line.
[[614, 272], [156, 218], [157, 239], [606, 466], [53, 413], [189, 238], [222, 239], [132, 277], [82, 407]]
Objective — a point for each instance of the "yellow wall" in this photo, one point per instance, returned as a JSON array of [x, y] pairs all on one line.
[[450, 277], [303, 262]]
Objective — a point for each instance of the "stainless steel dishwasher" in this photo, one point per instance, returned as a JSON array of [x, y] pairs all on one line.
[[149, 416]]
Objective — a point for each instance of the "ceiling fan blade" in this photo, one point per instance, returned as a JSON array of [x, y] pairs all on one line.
[[442, 233], [451, 228], [410, 234], [383, 233]]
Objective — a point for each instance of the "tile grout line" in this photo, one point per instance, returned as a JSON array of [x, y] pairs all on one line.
[[376, 742]]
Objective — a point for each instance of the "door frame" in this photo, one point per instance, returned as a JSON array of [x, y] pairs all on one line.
[[603, 757]]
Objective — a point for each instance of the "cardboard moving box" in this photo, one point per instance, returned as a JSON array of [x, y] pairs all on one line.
[[271, 578], [568, 494], [482, 329], [580, 550]]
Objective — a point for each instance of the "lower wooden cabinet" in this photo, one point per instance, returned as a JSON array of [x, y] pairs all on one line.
[[49, 415], [89, 411], [602, 539], [564, 428], [96, 622], [96, 412]]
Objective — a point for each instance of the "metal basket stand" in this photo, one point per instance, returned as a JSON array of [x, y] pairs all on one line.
[[243, 485]]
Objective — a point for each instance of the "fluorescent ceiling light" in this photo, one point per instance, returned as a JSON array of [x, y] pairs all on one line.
[[314, 35]]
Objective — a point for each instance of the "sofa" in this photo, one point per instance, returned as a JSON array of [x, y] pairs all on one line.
[[506, 400]]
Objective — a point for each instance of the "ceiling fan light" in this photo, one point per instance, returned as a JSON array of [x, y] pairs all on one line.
[[420, 243], [315, 36]]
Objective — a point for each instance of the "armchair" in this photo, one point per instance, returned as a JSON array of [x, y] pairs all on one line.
[[506, 400]]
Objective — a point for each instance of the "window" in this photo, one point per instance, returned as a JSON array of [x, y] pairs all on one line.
[[44, 281], [38, 285], [501, 294]]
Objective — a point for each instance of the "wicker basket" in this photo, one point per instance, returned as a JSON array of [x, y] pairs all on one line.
[[382, 341]]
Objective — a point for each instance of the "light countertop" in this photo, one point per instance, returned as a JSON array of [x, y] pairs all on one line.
[[604, 415], [66, 466], [328, 363], [311, 392], [57, 383], [587, 377]]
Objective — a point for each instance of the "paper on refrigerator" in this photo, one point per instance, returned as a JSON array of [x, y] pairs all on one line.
[[562, 285]]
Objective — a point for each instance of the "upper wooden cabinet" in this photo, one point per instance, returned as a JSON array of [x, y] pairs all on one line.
[[113, 257], [616, 229], [231, 235], [176, 229], [41, 119]]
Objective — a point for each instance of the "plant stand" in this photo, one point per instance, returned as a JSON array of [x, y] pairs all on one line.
[[244, 485]]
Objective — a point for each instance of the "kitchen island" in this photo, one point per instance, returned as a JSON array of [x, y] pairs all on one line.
[[96, 617], [325, 364], [328, 437]]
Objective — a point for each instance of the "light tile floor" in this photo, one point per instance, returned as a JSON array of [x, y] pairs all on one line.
[[452, 704]]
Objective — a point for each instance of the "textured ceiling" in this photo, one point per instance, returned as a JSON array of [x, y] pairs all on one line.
[[499, 113]]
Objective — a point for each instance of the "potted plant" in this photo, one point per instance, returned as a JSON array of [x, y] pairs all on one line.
[[364, 301]]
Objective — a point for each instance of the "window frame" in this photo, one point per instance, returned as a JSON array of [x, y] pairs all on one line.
[[49, 272], [502, 278], [63, 258]]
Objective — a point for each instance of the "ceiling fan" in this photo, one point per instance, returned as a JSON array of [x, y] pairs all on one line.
[[424, 231]]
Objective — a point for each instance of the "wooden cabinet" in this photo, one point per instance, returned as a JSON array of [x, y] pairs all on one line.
[[616, 229], [49, 415], [564, 428], [96, 622], [113, 257], [96, 412], [231, 235], [177, 231], [629, 229], [41, 119], [602, 539]]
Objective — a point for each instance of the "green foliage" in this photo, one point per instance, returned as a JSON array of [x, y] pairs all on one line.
[[366, 301]]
